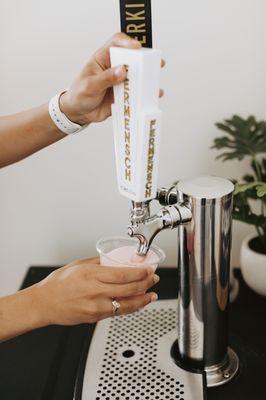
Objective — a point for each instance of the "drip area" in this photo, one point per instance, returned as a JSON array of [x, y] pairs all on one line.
[[129, 357]]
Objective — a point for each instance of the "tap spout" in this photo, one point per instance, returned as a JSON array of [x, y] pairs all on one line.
[[145, 229]]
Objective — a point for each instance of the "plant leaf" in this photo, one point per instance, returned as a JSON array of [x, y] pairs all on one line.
[[261, 190], [243, 187], [245, 137]]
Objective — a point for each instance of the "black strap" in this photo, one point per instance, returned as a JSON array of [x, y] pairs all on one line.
[[136, 20]]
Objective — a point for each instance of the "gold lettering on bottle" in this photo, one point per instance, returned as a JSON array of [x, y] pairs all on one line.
[[142, 40], [150, 159], [136, 16], [127, 134], [127, 112], [142, 5], [126, 97], [128, 174], [134, 28], [136, 21]]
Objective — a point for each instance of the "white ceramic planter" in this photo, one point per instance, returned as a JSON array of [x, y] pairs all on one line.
[[253, 267]]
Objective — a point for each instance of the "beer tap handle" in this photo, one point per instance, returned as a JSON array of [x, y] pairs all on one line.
[[137, 122]]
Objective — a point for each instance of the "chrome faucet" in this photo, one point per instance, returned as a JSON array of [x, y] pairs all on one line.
[[201, 209], [146, 227]]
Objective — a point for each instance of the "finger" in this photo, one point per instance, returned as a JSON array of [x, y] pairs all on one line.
[[161, 93], [123, 274], [131, 289], [133, 304], [105, 111], [163, 63], [87, 262], [102, 56], [107, 79], [120, 39], [95, 260]]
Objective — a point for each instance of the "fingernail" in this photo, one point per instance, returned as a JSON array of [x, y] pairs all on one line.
[[156, 279], [154, 297], [150, 270], [120, 71]]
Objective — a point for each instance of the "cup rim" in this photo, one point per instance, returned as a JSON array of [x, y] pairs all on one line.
[[159, 252]]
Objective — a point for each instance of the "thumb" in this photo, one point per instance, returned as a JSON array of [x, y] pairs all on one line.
[[111, 77], [94, 260]]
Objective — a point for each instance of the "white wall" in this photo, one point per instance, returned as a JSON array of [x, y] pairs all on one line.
[[56, 204]]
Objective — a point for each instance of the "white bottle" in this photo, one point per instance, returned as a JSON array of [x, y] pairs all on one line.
[[137, 122]]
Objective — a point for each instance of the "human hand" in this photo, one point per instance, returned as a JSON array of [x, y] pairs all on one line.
[[90, 97], [82, 292]]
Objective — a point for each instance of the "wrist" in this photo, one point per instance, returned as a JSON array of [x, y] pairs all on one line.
[[60, 119], [20, 313], [39, 312], [69, 111]]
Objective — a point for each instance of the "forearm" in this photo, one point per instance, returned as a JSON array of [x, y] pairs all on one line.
[[88, 100], [19, 313], [25, 133]]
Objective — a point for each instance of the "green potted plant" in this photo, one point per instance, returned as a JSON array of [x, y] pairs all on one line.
[[246, 138]]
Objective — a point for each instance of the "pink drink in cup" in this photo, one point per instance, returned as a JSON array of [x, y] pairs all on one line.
[[122, 252]]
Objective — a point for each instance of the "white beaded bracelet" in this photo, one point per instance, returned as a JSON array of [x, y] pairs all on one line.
[[60, 119]]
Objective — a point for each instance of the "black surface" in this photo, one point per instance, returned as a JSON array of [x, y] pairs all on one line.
[[43, 364], [247, 337]]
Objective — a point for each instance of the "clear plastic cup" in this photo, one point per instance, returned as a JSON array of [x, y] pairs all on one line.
[[122, 252]]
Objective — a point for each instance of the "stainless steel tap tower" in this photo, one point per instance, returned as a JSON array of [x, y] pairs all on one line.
[[201, 208]]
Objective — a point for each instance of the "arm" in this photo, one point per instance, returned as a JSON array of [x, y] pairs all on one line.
[[25, 133], [88, 100], [78, 293]]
